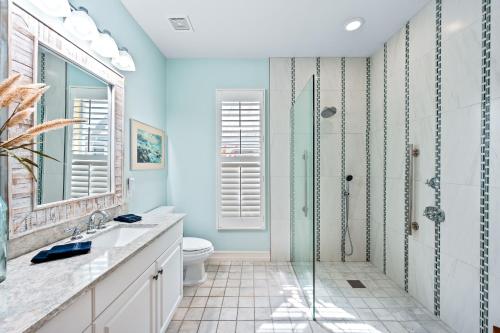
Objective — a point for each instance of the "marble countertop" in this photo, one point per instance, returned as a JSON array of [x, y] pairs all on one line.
[[33, 294]]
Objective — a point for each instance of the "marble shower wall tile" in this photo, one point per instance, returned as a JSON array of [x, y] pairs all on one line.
[[356, 154], [459, 294], [377, 148], [279, 131], [330, 236], [422, 128], [395, 156], [330, 90], [460, 164]]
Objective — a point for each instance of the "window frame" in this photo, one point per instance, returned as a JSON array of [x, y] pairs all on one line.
[[251, 223]]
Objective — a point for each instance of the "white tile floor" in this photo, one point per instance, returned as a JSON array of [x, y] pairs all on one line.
[[246, 297]]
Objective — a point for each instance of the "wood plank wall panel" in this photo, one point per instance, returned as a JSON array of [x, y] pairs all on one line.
[[25, 33]]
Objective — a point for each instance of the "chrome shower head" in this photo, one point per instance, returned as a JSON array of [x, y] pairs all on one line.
[[328, 112]]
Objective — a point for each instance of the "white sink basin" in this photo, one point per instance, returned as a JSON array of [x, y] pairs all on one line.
[[119, 236]]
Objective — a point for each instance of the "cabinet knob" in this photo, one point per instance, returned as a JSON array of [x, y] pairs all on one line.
[[160, 271], [155, 277]]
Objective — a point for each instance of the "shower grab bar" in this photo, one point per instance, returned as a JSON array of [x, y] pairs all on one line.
[[413, 152], [305, 209]]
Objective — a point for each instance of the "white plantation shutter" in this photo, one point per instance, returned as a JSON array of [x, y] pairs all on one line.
[[90, 145], [240, 159]]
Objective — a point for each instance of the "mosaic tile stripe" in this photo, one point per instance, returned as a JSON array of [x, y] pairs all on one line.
[[407, 154], [437, 160], [368, 158], [292, 158], [41, 144], [485, 168], [342, 163], [317, 160], [385, 166]]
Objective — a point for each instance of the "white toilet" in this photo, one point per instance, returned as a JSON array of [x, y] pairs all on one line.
[[195, 252]]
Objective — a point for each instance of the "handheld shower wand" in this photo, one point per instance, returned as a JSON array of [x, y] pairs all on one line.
[[347, 232]]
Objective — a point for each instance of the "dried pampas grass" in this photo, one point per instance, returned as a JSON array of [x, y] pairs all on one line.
[[26, 96], [31, 133], [19, 117], [7, 85], [30, 98]]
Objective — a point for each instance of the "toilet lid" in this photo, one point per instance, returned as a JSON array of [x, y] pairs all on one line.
[[190, 244]]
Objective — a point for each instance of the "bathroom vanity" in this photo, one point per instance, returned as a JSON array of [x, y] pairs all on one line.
[[131, 281], [132, 284]]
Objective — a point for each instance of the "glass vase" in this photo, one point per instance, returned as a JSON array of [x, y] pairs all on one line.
[[3, 240]]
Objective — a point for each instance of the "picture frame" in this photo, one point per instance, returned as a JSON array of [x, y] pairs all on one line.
[[147, 146]]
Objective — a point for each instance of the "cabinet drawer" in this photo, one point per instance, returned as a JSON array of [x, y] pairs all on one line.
[[107, 290], [74, 319]]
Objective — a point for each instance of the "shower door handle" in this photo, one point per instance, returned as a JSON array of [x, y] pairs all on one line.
[[305, 208]]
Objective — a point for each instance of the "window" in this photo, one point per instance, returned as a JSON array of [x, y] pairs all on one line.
[[240, 159], [90, 143]]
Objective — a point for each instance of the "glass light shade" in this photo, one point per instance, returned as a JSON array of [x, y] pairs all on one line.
[[124, 61], [80, 24], [104, 45], [56, 8]]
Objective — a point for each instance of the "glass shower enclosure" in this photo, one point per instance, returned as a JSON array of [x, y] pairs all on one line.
[[303, 206]]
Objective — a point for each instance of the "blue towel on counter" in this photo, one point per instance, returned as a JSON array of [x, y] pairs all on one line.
[[62, 251], [128, 218]]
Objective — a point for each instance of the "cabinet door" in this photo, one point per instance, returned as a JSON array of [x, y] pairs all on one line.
[[169, 284], [134, 310]]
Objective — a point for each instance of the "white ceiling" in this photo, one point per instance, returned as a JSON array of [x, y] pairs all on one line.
[[271, 28]]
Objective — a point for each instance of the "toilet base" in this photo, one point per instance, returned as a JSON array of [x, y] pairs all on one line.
[[194, 274]]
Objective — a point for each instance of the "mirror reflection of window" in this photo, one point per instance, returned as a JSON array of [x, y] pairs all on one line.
[[83, 151]]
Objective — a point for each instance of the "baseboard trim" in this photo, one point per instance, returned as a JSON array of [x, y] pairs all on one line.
[[241, 255]]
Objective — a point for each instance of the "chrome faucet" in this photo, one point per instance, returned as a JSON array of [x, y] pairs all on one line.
[[103, 218], [76, 233]]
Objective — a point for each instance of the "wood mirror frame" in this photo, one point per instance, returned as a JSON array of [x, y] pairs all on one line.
[[26, 33]]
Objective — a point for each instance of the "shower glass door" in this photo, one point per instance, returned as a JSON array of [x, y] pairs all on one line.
[[302, 190]]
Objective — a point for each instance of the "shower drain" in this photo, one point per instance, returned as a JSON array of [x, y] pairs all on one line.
[[356, 284]]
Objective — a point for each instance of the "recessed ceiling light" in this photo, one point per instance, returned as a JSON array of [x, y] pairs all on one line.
[[354, 24]]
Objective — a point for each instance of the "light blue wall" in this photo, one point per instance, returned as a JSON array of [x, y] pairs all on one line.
[[144, 93], [191, 85]]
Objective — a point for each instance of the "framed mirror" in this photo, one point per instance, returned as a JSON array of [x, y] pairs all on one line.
[[83, 153], [89, 174]]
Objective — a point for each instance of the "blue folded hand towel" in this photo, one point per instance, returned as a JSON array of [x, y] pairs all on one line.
[[128, 218], [62, 251]]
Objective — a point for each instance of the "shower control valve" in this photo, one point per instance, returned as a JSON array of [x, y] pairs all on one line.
[[434, 214], [432, 183]]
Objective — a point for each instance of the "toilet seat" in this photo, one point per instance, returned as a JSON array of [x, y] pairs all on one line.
[[193, 245]]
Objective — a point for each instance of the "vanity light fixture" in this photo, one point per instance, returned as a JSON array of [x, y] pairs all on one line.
[[124, 61], [354, 24], [56, 8], [80, 24], [104, 45]]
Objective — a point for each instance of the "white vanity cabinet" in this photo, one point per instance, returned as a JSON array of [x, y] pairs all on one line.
[[149, 303], [132, 311], [169, 285], [139, 295]]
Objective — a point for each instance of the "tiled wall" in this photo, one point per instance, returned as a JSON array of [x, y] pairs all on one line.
[[495, 168], [459, 263], [355, 161]]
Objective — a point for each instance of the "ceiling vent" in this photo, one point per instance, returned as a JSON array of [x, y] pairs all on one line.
[[181, 23]]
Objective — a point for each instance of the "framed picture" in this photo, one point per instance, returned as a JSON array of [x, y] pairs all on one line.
[[147, 147]]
